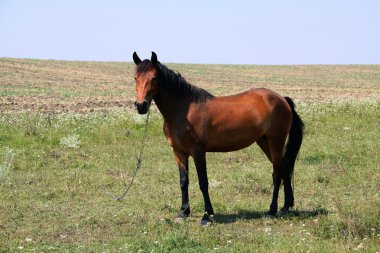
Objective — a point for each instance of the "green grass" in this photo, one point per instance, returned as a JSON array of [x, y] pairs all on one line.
[[58, 159], [53, 196]]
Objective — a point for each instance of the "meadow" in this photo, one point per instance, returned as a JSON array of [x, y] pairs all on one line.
[[69, 134]]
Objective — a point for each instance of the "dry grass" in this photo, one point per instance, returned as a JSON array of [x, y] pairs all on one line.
[[56, 86]]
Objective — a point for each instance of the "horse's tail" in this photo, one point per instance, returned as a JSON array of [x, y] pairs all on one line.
[[294, 142]]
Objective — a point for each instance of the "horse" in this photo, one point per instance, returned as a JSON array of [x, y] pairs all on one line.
[[196, 122]]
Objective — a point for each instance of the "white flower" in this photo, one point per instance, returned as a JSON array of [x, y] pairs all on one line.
[[71, 141]]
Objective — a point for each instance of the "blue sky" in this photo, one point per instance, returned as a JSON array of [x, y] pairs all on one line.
[[225, 32]]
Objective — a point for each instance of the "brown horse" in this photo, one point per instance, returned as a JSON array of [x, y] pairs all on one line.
[[196, 122]]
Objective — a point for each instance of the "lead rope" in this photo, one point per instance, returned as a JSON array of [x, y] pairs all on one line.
[[138, 163]]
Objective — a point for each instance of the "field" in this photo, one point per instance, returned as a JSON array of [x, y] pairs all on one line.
[[69, 134]]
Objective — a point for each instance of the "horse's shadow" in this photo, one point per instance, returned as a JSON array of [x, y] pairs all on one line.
[[253, 215]]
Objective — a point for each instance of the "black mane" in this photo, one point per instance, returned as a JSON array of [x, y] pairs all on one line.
[[175, 83]]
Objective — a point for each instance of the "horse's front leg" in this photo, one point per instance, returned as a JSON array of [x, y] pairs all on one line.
[[200, 164], [182, 160]]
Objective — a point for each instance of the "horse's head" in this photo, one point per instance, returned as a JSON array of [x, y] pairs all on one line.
[[146, 82]]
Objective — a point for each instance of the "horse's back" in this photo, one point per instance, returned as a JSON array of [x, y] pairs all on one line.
[[236, 121], [259, 101]]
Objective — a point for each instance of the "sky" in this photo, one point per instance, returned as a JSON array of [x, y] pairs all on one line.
[[271, 32]]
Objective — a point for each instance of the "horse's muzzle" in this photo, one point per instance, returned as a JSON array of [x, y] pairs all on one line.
[[143, 107]]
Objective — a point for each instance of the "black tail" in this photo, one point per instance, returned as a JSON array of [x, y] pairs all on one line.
[[294, 141]]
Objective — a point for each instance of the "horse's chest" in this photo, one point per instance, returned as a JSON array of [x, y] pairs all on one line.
[[181, 137]]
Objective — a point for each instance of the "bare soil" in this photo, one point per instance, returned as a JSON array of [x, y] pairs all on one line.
[[63, 86]]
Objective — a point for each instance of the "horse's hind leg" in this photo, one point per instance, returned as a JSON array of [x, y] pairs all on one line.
[[276, 147], [263, 144], [289, 197]]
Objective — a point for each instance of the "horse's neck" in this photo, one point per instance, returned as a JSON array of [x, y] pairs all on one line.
[[171, 107]]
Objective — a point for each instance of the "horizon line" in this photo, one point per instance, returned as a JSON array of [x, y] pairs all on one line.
[[193, 63]]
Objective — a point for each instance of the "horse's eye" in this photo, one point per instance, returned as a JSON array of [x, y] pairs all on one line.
[[135, 78]]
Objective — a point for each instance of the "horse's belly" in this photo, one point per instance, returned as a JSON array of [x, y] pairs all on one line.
[[227, 148], [231, 141]]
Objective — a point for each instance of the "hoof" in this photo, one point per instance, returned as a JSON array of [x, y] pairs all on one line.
[[206, 220], [181, 217], [284, 211]]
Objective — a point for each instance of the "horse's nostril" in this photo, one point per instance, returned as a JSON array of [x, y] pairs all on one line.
[[142, 107]]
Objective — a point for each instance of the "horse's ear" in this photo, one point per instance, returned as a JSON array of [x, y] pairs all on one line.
[[153, 59], [136, 58]]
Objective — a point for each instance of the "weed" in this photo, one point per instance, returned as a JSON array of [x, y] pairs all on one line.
[[6, 166], [70, 141]]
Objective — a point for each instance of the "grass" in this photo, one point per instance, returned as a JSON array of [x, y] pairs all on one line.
[[58, 167], [53, 197]]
